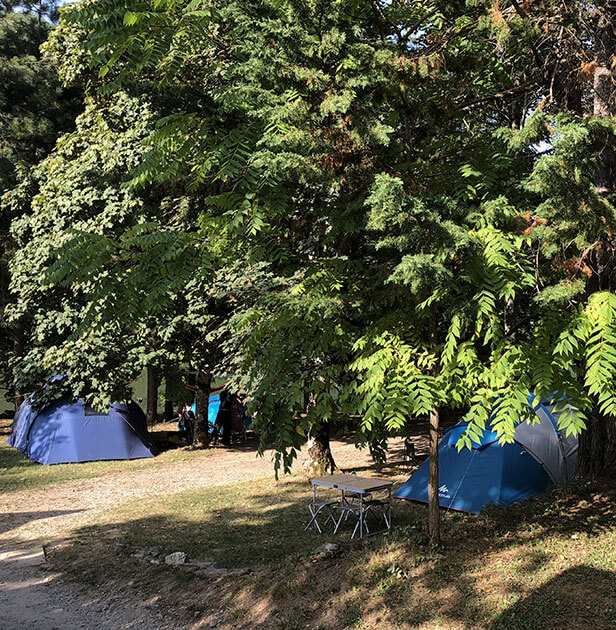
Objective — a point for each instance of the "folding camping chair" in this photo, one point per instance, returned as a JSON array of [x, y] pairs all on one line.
[[379, 510], [238, 429], [316, 507], [410, 459], [350, 506], [354, 510]]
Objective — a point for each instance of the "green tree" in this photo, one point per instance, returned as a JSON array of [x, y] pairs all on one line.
[[406, 229], [35, 110], [76, 188], [291, 162], [567, 203]]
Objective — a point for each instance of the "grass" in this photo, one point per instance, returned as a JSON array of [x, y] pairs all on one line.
[[539, 565], [17, 472], [259, 522], [543, 564]]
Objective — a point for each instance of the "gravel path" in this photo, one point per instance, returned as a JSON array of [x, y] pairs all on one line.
[[33, 598], [52, 512]]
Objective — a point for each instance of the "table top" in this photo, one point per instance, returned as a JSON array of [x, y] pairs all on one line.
[[353, 483]]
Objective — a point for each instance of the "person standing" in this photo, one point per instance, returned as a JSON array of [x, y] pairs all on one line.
[[224, 417]]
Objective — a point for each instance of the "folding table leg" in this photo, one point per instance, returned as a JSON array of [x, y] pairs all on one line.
[[338, 523], [314, 512], [361, 515], [365, 526]]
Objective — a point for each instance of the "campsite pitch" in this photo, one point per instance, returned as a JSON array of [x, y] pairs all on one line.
[[17, 472], [544, 564], [47, 505]]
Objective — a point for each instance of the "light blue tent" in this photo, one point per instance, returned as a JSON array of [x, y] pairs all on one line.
[[212, 413], [69, 431], [212, 410], [490, 473]]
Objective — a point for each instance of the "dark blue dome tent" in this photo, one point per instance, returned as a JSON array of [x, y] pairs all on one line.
[[68, 430], [489, 472]]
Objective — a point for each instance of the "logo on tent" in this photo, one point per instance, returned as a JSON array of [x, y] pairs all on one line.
[[443, 491]]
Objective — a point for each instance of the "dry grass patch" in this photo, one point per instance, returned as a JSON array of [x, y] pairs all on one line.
[[17, 472], [543, 564]]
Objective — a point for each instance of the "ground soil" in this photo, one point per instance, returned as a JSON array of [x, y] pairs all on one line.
[[33, 597]]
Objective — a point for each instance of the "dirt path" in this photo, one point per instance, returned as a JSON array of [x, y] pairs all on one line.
[[51, 512], [32, 598]]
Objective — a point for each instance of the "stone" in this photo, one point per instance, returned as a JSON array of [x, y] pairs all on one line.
[[213, 624], [212, 572], [176, 559], [155, 561], [328, 549], [154, 552], [197, 566]]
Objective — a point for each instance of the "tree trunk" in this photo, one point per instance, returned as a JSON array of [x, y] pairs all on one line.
[[18, 350], [434, 513], [604, 93], [597, 446], [152, 396], [201, 435], [320, 459], [168, 412], [434, 523]]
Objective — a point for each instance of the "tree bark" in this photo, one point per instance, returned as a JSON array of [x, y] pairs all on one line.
[[152, 395], [604, 93], [597, 445], [18, 350], [434, 516], [204, 384], [168, 412], [320, 459]]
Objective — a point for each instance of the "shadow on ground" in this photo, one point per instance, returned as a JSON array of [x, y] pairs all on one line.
[[569, 600], [541, 564], [13, 520]]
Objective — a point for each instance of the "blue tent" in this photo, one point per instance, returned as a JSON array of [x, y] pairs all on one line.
[[69, 431], [490, 473], [212, 410]]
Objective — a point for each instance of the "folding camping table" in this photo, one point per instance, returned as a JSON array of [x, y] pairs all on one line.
[[356, 487]]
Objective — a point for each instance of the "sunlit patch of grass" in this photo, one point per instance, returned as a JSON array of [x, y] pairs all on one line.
[[542, 564], [17, 472], [251, 523]]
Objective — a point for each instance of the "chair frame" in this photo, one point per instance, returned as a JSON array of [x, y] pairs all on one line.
[[316, 507]]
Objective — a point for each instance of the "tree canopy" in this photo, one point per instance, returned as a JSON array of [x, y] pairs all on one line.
[[34, 110], [365, 211]]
